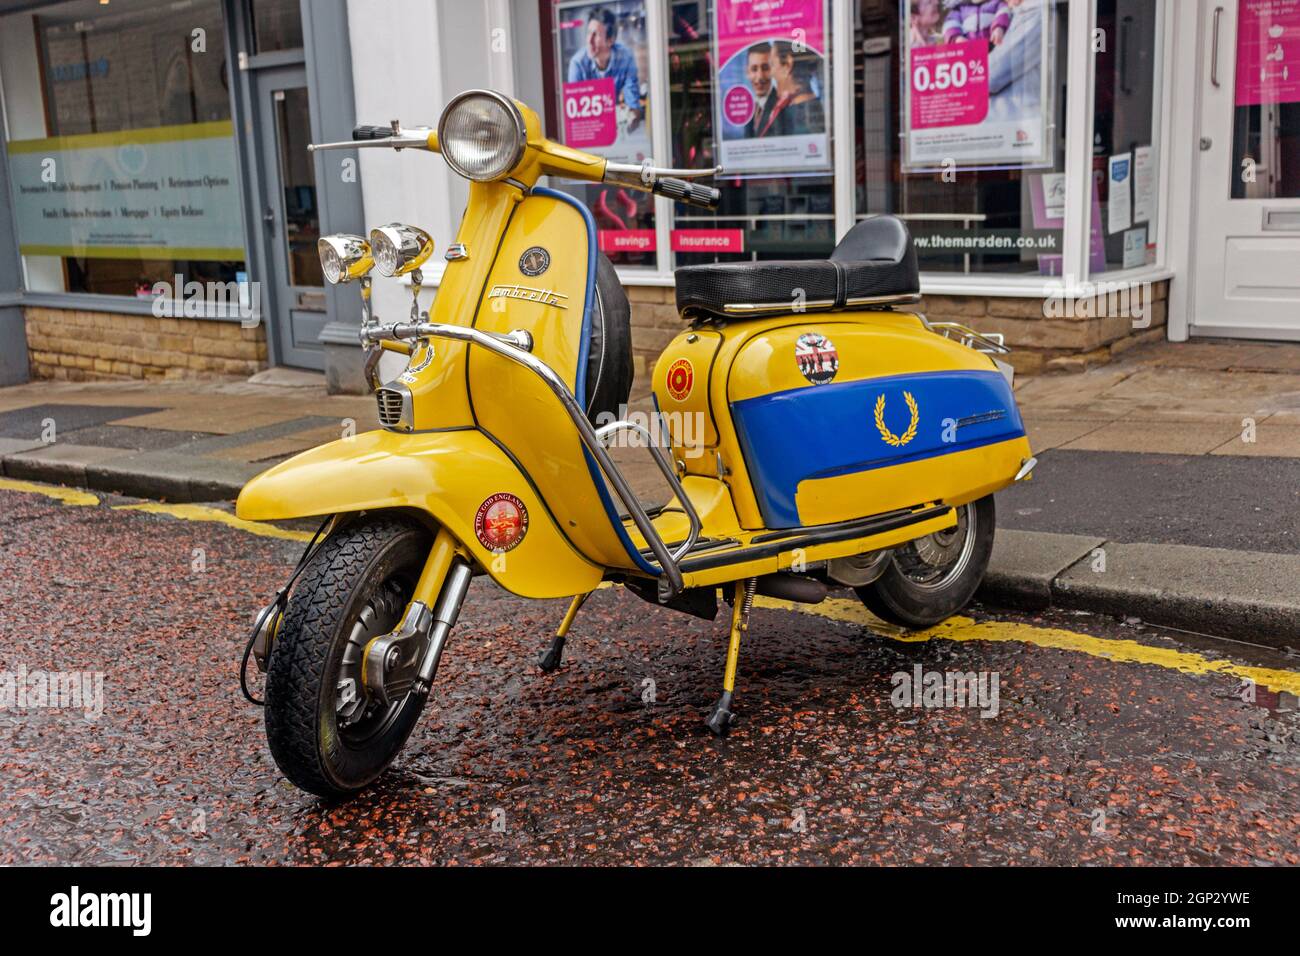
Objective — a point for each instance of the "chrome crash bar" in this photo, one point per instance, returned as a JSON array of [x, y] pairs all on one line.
[[514, 347]]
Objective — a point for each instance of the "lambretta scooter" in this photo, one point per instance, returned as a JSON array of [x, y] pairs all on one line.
[[835, 438]]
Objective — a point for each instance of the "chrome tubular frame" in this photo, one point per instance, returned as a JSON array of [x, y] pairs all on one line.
[[670, 474], [511, 347]]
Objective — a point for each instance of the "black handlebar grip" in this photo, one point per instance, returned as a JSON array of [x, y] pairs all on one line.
[[371, 132], [679, 190]]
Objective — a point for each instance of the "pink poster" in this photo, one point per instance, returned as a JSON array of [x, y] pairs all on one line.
[[1268, 52], [771, 87], [950, 85], [590, 116]]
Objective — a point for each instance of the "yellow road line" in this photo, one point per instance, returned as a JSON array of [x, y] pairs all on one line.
[[844, 610], [1112, 649], [204, 513], [69, 496]]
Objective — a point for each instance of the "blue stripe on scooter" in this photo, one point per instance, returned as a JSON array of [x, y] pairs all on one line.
[[580, 379], [821, 431]]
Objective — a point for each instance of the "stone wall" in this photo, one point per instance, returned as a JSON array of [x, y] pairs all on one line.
[[1043, 336], [85, 346]]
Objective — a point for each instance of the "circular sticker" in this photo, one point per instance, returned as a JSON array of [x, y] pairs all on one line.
[[680, 380], [534, 261], [501, 522], [816, 356], [738, 106]]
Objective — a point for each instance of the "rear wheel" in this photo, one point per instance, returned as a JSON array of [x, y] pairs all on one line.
[[328, 735], [932, 578]]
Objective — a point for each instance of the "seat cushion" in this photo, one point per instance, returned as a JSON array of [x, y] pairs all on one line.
[[875, 259]]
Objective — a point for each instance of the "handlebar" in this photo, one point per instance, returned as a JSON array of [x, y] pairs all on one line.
[[557, 160]]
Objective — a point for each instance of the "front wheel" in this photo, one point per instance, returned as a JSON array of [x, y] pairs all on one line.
[[328, 735], [932, 578]]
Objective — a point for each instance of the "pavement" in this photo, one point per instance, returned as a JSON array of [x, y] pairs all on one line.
[[1107, 743], [1168, 488]]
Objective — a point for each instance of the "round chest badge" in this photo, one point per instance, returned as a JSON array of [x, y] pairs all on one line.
[[534, 261], [680, 380], [816, 356], [501, 522]]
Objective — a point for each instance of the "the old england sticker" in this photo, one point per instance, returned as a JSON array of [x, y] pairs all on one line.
[[501, 522], [680, 380], [816, 357]]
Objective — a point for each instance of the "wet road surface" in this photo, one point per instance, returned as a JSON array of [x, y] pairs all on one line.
[[1088, 760]]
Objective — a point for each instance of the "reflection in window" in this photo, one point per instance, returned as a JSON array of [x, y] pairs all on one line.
[[1125, 129], [277, 25], [112, 71], [972, 204], [298, 174]]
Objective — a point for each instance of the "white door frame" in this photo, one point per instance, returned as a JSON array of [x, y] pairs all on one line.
[[1191, 310]]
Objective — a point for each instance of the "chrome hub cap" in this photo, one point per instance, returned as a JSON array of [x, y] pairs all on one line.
[[935, 560]]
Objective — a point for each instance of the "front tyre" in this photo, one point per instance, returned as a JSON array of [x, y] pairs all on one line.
[[932, 578], [326, 733]]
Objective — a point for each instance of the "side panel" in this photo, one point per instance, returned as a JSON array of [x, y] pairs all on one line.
[[821, 442], [540, 282], [447, 475]]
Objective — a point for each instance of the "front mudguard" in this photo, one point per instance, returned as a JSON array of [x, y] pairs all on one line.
[[445, 476]]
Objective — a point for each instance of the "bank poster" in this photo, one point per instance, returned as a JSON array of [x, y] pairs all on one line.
[[772, 88], [1268, 52], [170, 192], [977, 83], [603, 61]]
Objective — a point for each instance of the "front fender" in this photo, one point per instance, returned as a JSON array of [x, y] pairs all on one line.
[[447, 475]]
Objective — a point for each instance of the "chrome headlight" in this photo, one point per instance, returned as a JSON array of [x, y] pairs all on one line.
[[344, 258], [482, 135], [400, 249]]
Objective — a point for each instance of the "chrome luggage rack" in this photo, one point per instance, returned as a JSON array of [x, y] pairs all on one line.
[[516, 346], [991, 343]]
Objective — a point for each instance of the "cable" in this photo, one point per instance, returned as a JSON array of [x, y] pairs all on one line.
[[281, 599]]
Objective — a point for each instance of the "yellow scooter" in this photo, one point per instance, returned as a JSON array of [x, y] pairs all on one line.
[[815, 432]]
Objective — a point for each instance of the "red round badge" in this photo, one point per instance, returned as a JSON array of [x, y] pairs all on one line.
[[680, 380], [501, 522]]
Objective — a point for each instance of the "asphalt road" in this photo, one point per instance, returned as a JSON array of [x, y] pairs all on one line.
[[1088, 760], [1212, 501]]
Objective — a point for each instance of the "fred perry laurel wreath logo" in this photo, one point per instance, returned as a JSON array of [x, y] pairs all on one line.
[[680, 380], [534, 261], [898, 441], [501, 523]]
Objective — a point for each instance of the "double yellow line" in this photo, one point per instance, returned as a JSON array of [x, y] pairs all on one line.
[[843, 610]]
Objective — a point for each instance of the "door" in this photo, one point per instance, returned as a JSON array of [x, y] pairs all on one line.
[[291, 216], [1248, 212]]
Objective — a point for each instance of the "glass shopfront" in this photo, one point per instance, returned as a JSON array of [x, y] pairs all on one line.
[[958, 117], [121, 150]]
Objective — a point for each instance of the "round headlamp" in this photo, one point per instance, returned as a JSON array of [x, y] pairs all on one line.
[[344, 258], [399, 248], [482, 135]]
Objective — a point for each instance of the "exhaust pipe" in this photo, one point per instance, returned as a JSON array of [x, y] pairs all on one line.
[[792, 587]]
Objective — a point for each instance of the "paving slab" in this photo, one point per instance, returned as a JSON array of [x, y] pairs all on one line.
[[1170, 438], [1026, 563], [1271, 441], [12, 446]]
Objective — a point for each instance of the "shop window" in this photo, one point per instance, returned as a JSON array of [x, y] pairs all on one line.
[[598, 100], [1266, 111], [750, 90], [277, 25], [1125, 136], [121, 152], [961, 129]]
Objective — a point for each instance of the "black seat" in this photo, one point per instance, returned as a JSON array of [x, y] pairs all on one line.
[[875, 260]]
